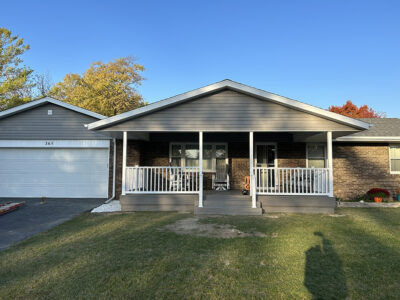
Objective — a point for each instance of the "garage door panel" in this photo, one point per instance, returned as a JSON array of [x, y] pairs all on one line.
[[72, 173]]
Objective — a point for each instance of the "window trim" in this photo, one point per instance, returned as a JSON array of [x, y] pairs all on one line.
[[213, 155], [325, 153], [390, 158]]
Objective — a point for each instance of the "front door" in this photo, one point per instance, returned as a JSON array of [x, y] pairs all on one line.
[[265, 158]]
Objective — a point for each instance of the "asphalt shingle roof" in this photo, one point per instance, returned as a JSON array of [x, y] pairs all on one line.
[[383, 127]]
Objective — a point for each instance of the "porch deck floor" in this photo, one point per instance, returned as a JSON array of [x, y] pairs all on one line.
[[230, 202]]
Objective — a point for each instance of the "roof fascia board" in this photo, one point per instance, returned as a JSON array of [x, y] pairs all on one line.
[[36, 103], [237, 87], [368, 139]]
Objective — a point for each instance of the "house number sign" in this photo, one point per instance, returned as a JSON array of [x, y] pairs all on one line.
[[49, 143]]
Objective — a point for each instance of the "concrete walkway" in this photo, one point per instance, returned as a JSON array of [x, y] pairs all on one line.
[[369, 204], [35, 217]]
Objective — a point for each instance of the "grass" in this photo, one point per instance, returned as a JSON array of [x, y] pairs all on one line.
[[356, 256]]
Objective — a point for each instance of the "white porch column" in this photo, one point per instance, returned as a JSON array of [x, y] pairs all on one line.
[[330, 161], [124, 143], [200, 169], [253, 192]]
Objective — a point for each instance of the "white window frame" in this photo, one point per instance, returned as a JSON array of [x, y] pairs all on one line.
[[213, 154], [390, 158], [325, 153]]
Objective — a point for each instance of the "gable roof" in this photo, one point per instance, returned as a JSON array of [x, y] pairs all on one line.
[[36, 103], [232, 85], [382, 130]]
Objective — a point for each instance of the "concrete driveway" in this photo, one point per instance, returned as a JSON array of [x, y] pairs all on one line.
[[35, 217]]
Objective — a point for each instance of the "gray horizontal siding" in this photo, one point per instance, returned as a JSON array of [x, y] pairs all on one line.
[[229, 110], [36, 124]]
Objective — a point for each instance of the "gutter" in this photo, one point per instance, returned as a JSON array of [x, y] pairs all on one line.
[[114, 169], [369, 139]]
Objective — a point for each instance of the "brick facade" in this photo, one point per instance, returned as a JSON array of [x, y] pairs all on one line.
[[239, 167], [133, 155], [360, 167], [356, 167]]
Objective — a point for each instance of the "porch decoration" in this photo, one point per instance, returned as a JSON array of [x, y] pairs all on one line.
[[246, 189], [378, 194]]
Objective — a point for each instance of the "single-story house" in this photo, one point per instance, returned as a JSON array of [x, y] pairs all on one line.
[[46, 151], [197, 151], [173, 153]]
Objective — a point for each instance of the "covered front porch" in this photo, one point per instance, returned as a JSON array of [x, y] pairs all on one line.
[[214, 136], [206, 172]]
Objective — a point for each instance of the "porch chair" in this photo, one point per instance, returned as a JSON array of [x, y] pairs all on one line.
[[175, 181], [220, 180]]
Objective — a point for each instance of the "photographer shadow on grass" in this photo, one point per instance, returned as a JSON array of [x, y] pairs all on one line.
[[324, 276]]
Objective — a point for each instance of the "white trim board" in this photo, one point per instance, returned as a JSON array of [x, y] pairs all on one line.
[[36, 103], [54, 143], [236, 86], [364, 139]]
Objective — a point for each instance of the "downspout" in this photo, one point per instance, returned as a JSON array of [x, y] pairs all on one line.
[[114, 169]]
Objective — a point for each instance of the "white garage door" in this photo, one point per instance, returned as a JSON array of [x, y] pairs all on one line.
[[58, 173]]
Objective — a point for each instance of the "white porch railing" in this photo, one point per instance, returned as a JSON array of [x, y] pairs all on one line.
[[162, 180], [292, 181]]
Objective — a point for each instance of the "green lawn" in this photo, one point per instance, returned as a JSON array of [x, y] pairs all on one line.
[[356, 256]]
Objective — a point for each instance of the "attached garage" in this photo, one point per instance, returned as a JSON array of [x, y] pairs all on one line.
[[47, 151], [54, 172]]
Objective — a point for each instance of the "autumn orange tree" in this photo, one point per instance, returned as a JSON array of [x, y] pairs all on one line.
[[351, 110]]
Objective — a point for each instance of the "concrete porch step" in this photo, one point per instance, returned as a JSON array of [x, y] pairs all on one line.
[[233, 211], [226, 195], [226, 202]]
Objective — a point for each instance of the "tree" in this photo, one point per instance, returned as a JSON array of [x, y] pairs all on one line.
[[108, 89], [42, 85], [351, 110], [15, 87]]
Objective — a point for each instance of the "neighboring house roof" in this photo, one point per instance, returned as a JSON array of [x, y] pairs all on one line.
[[382, 130], [36, 103], [229, 84]]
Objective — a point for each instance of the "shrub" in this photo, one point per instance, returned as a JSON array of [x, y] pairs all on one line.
[[376, 192]]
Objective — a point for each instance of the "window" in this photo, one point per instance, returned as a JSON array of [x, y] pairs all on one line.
[[316, 156], [188, 155], [394, 157], [191, 155]]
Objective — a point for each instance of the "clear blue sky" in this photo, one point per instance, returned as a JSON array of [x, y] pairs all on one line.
[[319, 52]]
